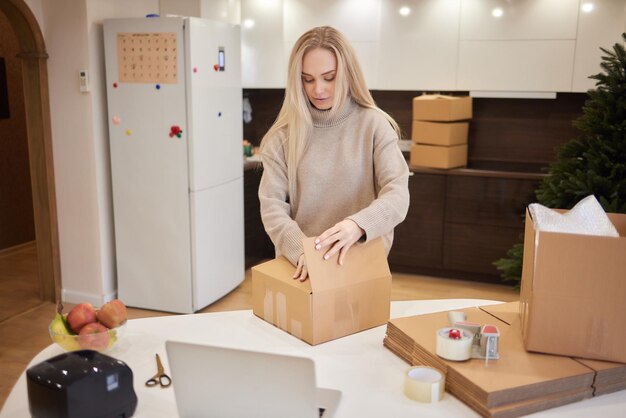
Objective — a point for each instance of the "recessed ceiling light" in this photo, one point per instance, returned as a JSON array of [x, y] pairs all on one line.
[[404, 11], [248, 23], [497, 12]]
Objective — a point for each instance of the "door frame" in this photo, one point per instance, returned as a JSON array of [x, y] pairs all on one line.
[[34, 58]]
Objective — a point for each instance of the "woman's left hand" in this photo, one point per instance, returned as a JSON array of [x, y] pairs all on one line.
[[340, 238]]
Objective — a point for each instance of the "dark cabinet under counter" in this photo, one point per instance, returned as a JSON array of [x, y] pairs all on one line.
[[461, 221], [418, 241], [258, 246]]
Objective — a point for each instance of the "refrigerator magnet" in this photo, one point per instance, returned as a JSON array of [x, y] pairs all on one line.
[[175, 131]]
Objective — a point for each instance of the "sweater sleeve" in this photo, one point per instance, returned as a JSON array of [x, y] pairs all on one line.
[[275, 208], [391, 174]]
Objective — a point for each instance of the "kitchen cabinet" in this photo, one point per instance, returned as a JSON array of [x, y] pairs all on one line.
[[518, 20], [600, 27], [358, 20], [263, 58], [418, 51], [527, 65], [533, 46], [418, 241], [258, 246], [461, 221]]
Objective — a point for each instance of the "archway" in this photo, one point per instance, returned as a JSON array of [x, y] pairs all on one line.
[[36, 101]]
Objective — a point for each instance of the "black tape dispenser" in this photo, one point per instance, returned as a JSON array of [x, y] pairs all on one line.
[[81, 384]]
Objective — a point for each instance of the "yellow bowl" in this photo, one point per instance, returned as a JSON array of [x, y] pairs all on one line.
[[99, 342]]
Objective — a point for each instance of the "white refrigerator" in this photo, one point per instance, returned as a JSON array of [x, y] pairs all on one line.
[[175, 126]]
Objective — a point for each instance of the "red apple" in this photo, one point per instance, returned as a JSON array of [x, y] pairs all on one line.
[[112, 314], [81, 315], [94, 336]]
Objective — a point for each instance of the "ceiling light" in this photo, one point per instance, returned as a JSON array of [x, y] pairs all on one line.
[[587, 7], [497, 12], [248, 23], [404, 11]]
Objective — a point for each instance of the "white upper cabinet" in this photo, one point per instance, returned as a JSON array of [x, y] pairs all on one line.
[[418, 44], [263, 62], [537, 66], [442, 45], [358, 20], [518, 45], [601, 24], [518, 19]]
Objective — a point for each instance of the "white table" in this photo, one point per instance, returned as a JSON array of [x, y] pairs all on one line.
[[369, 375]]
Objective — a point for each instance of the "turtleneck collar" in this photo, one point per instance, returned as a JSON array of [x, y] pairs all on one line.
[[323, 118]]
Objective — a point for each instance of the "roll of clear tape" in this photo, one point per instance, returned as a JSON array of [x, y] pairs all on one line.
[[454, 349], [424, 384]]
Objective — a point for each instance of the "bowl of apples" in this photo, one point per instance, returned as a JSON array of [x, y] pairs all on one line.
[[87, 328]]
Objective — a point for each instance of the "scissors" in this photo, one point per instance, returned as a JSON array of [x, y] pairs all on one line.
[[160, 378]]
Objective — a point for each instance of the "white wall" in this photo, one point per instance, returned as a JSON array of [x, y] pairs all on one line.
[[36, 8], [73, 148], [72, 33]]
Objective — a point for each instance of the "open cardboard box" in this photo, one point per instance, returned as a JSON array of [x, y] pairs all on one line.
[[334, 302], [573, 293]]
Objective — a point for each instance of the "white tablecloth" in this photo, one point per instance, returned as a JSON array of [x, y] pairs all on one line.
[[368, 374]]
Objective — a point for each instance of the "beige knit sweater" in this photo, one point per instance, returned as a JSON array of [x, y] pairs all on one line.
[[352, 168]]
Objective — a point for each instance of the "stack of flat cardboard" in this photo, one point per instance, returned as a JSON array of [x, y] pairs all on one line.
[[439, 130], [518, 383], [609, 376]]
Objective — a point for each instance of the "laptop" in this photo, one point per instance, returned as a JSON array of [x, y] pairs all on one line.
[[212, 381]]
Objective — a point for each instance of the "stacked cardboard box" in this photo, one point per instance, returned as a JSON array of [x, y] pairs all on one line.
[[518, 383], [439, 131]]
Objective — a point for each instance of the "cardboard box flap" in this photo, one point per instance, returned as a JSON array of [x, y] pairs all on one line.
[[282, 270], [619, 222], [363, 262]]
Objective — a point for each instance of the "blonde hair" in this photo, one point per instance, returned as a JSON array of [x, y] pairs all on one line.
[[294, 118]]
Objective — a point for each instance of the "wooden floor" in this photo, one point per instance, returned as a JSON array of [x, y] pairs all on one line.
[[24, 318]]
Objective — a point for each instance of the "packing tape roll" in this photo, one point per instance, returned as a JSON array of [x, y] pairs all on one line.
[[424, 384], [454, 349]]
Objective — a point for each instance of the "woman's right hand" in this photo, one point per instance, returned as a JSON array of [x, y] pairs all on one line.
[[301, 271]]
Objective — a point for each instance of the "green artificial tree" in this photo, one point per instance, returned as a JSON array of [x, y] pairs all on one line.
[[595, 161]]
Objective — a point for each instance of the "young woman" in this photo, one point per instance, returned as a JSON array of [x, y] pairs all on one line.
[[332, 166]]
